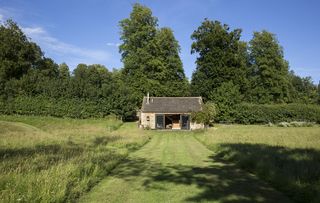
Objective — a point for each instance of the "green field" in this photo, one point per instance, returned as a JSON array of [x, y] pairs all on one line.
[[286, 158], [45, 159]]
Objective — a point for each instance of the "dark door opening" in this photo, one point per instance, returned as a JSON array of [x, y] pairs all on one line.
[[168, 122], [172, 121], [160, 121], [185, 122]]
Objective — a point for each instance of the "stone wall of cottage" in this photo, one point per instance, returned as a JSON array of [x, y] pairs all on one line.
[[148, 120]]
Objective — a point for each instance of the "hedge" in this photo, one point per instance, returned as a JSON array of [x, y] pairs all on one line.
[[76, 108], [45, 106], [276, 113]]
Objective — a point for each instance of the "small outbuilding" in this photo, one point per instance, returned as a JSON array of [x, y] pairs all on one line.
[[170, 113]]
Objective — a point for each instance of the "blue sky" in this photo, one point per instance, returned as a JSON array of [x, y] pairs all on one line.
[[87, 31]]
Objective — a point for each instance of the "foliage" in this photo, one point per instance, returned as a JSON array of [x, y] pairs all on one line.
[[255, 113], [228, 72], [17, 54], [91, 90], [150, 56], [269, 70], [227, 96], [206, 115], [60, 107], [302, 89], [221, 58]]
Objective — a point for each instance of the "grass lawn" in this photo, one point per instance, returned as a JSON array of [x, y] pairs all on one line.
[[175, 167], [45, 159]]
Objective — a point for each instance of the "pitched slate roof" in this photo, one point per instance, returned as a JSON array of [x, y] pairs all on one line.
[[172, 104]]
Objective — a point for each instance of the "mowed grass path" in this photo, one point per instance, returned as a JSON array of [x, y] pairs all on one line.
[[175, 167]]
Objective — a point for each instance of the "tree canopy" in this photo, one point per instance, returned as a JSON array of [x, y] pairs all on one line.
[[228, 72], [221, 58], [150, 56], [269, 69]]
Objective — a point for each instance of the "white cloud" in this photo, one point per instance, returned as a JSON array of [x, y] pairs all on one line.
[[72, 53], [34, 30], [113, 44], [6, 13]]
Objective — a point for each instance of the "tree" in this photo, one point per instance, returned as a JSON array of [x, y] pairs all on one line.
[[269, 70], [138, 33], [17, 54], [150, 56], [172, 75], [88, 80], [302, 89], [227, 96], [64, 72], [123, 99], [206, 115], [63, 82], [221, 58]]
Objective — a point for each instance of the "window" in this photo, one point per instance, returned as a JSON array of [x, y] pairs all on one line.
[[148, 118]]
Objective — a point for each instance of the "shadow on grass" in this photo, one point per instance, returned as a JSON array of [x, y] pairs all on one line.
[[68, 149], [104, 140], [41, 150], [295, 172], [218, 181]]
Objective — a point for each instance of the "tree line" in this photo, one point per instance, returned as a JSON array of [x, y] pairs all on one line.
[[228, 71]]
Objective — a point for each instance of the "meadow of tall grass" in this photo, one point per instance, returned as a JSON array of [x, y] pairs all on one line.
[[287, 158], [46, 159]]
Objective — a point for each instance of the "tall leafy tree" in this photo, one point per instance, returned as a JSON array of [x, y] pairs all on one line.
[[170, 70], [64, 71], [221, 58], [17, 54], [62, 83], [269, 70], [150, 56], [88, 80], [138, 33]]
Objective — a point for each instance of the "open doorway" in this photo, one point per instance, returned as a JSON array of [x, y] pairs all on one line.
[[172, 121]]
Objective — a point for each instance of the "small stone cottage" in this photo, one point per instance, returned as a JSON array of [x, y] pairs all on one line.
[[169, 113]]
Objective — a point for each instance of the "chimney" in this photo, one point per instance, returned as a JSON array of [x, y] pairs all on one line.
[[148, 98]]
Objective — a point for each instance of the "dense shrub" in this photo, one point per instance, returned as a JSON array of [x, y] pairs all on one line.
[[46, 106], [254, 113], [206, 116]]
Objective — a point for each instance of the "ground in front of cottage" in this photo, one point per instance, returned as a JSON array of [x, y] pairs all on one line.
[[175, 167]]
